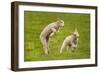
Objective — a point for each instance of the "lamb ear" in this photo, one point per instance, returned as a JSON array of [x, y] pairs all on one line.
[[76, 30], [58, 19]]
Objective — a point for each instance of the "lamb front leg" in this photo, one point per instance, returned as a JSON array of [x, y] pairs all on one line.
[[53, 32], [62, 47], [73, 47]]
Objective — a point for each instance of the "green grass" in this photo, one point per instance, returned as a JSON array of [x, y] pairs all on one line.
[[35, 22]]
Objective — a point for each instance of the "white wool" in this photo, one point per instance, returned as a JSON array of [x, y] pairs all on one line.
[[70, 41], [49, 31]]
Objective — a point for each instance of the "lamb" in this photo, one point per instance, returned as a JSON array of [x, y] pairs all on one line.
[[48, 32], [71, 41]]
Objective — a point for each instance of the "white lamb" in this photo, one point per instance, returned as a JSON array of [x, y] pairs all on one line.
[[48, 32], [71, 41]]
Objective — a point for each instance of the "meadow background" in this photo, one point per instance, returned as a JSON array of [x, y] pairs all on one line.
[[35, 22]]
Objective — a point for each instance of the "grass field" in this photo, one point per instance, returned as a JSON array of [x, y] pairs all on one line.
[[34, 23]]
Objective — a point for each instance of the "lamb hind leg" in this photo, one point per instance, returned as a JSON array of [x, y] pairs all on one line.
[[47, 40], [45, 45]]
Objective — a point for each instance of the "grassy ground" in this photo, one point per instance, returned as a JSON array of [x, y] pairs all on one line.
[[35, 23]]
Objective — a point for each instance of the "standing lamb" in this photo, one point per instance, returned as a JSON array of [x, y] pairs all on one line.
[[71, 41], [48, 32]]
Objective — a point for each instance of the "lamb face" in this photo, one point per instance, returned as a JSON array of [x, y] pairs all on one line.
[[60, 23]]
